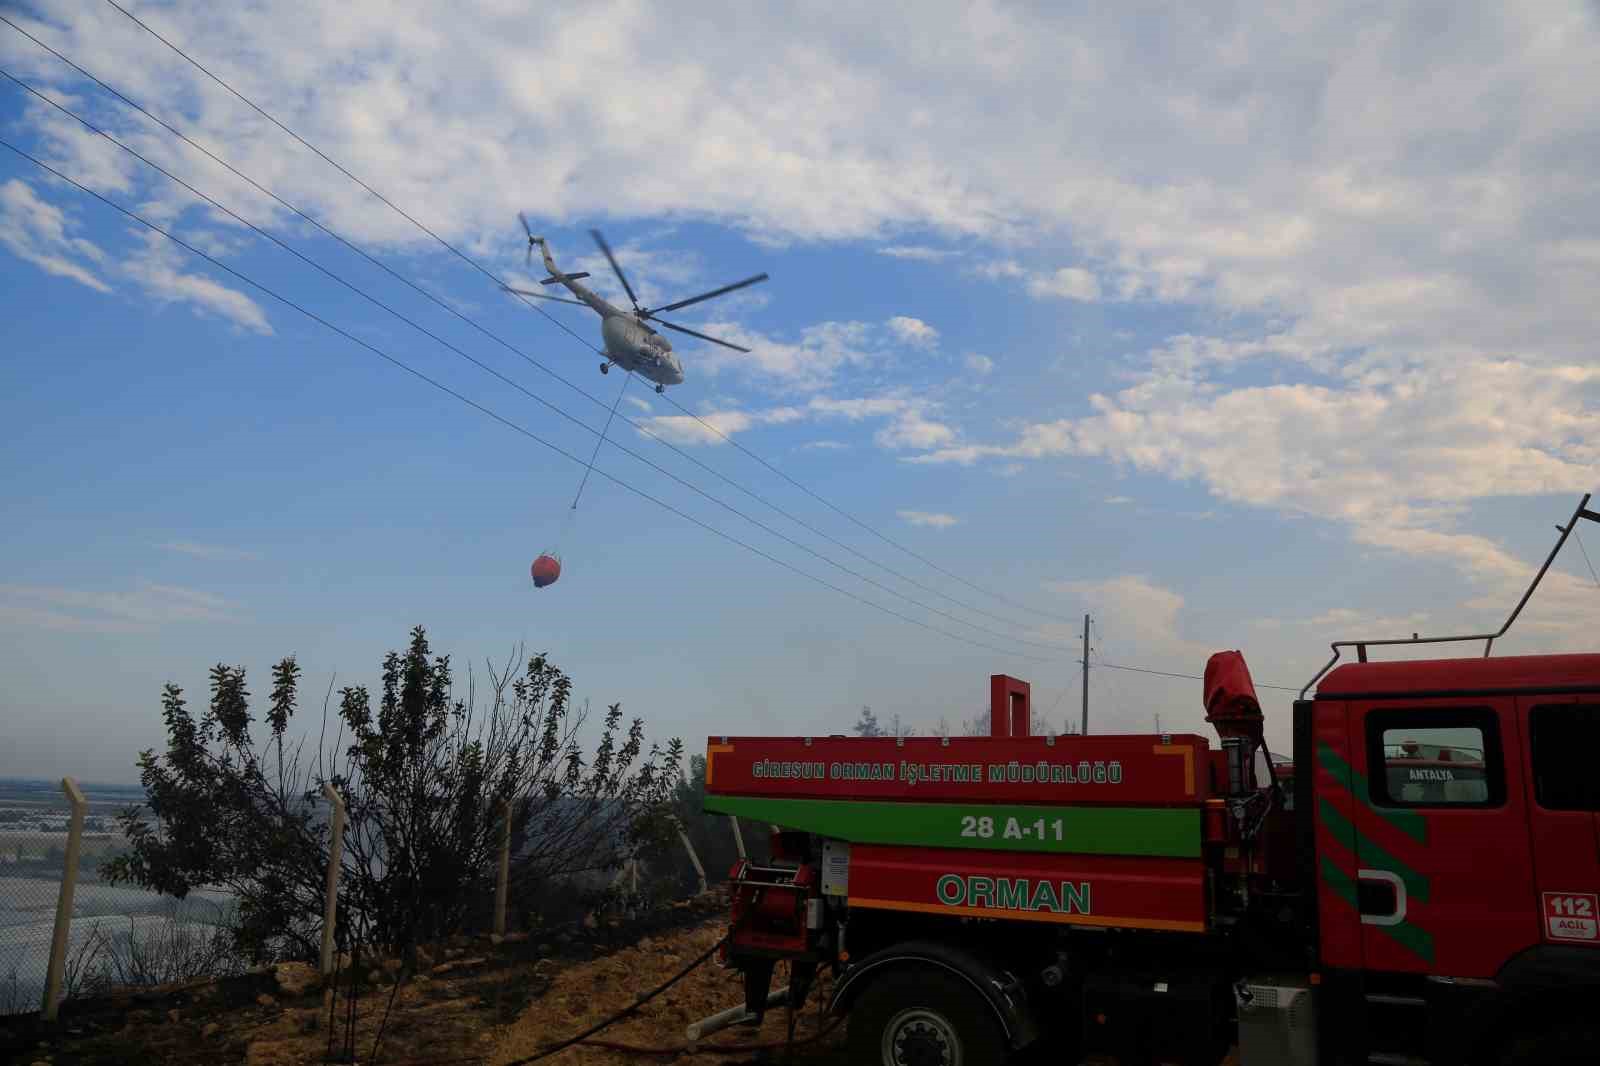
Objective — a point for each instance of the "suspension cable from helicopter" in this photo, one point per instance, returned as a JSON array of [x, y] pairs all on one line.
[[489, 274], [601, 439], [515, 385], [496, 416]]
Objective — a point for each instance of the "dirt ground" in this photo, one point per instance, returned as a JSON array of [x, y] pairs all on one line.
[[473, 1004], [584, 995], [455, 1010]]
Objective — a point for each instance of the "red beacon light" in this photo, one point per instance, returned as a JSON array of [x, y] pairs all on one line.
[[545, 570]]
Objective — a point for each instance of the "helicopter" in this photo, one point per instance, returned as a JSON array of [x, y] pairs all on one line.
[[630, 342]]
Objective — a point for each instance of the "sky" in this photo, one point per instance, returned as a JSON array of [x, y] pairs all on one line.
[[1235, 329]]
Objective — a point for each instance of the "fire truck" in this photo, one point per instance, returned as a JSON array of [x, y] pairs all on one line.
[[1417, 884]]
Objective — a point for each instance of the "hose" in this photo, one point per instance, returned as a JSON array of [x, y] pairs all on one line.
[[617, 1017]]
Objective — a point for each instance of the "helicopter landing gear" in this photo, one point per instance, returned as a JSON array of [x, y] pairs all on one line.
[[605, 368], [661, 388]]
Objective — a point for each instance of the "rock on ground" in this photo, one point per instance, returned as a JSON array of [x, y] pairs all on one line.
[[296, 978]]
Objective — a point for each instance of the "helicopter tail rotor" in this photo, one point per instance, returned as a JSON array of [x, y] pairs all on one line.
[[532, 240]]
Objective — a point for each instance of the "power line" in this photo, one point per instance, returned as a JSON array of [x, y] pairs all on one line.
[[500, 283], [487, 273], [420, 290], [1585, 552], [513, 384], [1099, 657], [1061, 694], [1187, 677], [508, 423]]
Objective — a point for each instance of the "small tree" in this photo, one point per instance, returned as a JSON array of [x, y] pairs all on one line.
[[867, 724], [426, 780]]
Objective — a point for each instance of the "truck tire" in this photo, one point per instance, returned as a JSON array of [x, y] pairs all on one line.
[[923, 1017], [1573, 1044]]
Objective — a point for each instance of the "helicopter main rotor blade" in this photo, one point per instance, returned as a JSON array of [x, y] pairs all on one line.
[[702, 336], [542, 296], [606, 248], [709, 295]]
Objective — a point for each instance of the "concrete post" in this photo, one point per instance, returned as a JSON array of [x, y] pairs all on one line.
[[700, 871], [69, 883], [331, 895], [502, 886]]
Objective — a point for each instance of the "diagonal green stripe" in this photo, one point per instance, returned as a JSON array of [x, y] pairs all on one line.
[[1171, 832], [1410, 823], [1372, 856], [1341, 883], [1411, 937]]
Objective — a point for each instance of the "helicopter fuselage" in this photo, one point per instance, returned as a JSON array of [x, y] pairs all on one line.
[[636, 347]]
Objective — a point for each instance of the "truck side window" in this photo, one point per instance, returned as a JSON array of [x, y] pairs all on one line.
[[1564, 738], [1435, 758]]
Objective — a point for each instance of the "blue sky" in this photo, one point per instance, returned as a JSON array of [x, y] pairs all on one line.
[[1237, 332]]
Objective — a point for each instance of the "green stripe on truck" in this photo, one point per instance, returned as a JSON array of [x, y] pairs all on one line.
[[1170, 832]]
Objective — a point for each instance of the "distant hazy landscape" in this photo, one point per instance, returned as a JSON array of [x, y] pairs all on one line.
[[33, 841]]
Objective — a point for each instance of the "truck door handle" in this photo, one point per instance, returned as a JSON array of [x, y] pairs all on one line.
[[1380, 897]]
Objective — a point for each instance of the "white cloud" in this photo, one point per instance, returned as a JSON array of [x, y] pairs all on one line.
[[998, 269], [979, 364], [936, 519], [1142, 615], [37, 231], [911, 429], [641, 404], [1403, 216], [809, 364], [916, 251], [913, 331], [713, 428], [1393, 456], [824, 446], [908, 425], [157, 270], [146, 606], [1119, 499], [215, 552], [1072, 283]]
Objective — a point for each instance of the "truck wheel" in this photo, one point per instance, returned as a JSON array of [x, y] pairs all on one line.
[[923, 1018], [1576, 1044]]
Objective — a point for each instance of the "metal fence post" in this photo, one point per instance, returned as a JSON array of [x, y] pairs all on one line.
[[331, 896], [502, 888], [69, 882]]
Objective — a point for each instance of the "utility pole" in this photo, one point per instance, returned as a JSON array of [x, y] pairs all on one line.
[[1085, 731]]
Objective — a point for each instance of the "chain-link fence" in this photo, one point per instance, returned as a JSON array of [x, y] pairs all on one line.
[[110, 931], [120, 935], [27, 917]]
